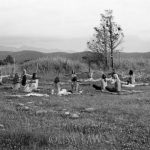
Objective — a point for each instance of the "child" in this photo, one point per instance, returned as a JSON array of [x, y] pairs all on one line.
[[16, 82]]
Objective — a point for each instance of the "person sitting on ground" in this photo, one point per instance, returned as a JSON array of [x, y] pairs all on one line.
[[74, 83], [117, 84], [131, 79], [57, 87], [103, 86], [34, 82], [16, 82], [24, 83]]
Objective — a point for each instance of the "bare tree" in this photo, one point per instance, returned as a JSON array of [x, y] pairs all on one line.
[[107, 38]]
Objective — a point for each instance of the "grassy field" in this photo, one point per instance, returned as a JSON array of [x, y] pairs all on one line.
[[101, 121]]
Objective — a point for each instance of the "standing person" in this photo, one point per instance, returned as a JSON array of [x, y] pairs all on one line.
[[34, 82], [16, 82], [74, 84]]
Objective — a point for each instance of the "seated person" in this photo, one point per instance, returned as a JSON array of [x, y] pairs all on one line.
[[103, 83], [16, 82], [34, 82], [24, 83], [57, 85], [117, 84], [131, 79], [74, 84]]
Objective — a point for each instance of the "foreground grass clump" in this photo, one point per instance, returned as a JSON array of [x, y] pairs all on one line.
[[21, 139]]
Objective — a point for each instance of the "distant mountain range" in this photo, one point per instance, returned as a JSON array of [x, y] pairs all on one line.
[[131, 43], [27, 55]]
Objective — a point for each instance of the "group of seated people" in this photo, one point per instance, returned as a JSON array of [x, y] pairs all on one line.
[[74, 84], [116, 82], [29, 83], [22, 82]]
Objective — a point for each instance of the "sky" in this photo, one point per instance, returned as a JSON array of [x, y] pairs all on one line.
[[72, 21]]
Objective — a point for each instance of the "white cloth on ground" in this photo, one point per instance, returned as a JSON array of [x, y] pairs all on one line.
[[128, 85], [63, 92]]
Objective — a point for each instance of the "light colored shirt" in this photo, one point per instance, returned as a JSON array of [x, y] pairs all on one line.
[[34, 84], [103, 84], [118, 85]]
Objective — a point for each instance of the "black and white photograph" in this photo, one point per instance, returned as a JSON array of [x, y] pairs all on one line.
[[74, 75]]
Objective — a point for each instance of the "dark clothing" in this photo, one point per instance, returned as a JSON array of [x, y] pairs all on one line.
[[111, 89], [74, 79], [24, 80], [56, 80], [97, 87]]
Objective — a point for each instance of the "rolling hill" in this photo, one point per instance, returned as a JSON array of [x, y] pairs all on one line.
[[26, 55]]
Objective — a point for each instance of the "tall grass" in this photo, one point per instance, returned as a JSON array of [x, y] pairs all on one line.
[[50, 67], [139, 64], [8, 69]]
